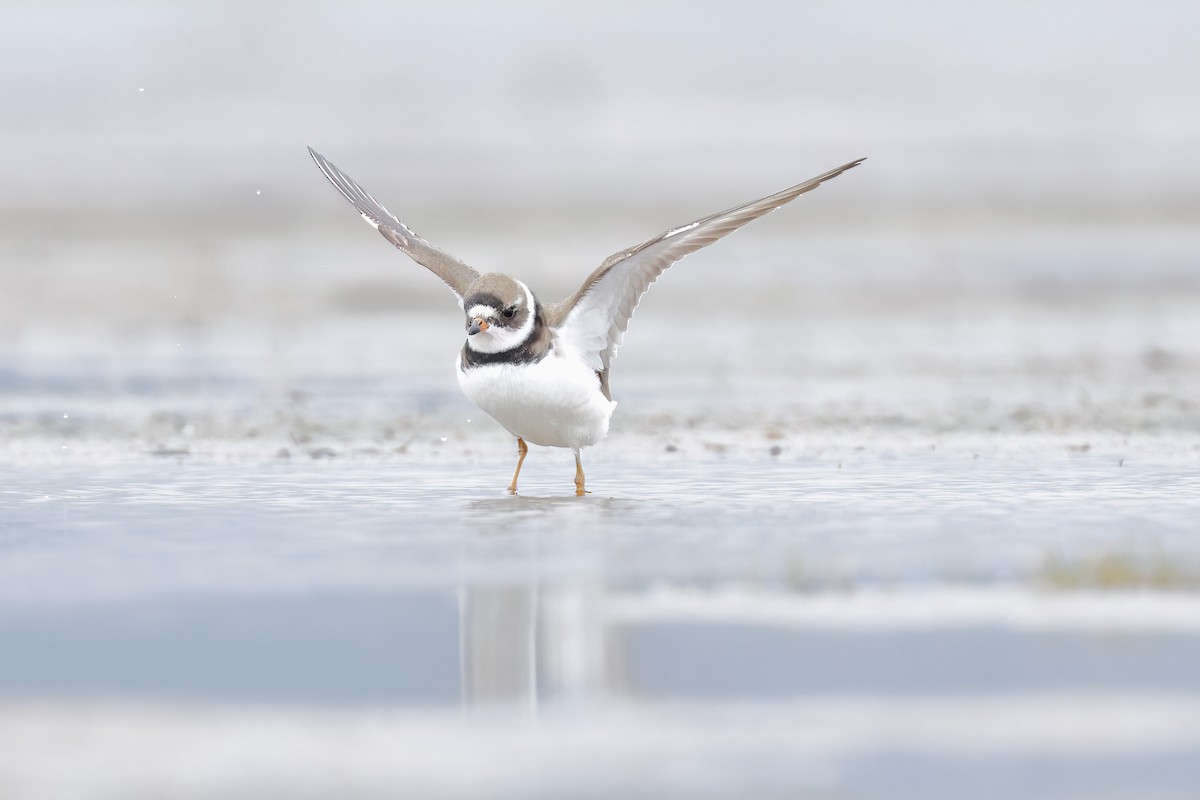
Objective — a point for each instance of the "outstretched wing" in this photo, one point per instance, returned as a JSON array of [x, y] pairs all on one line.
[[594, 319], [457, 275]]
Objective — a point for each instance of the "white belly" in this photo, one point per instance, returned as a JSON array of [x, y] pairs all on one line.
[[556, 402]]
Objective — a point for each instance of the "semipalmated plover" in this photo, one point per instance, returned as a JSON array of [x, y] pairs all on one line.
[[542, 369]]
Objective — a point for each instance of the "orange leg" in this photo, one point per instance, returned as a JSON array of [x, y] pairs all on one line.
[[579, 490], [522, 448]]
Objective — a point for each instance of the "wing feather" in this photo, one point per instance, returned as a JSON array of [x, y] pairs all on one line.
[[594, 319], [457, 275]]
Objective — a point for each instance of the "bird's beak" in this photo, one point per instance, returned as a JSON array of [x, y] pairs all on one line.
[[478, 324]]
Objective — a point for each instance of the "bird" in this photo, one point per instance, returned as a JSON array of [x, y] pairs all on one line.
[[542, 370]]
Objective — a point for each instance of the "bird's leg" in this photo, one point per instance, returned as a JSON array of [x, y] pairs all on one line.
[[522, 448], [579, 490]]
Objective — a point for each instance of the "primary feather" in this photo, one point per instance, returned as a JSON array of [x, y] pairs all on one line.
[[457, 275], [594, 319]]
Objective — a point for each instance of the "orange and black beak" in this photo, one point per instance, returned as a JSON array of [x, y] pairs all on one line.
[[478, 324]]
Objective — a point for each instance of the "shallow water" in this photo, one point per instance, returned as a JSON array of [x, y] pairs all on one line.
[[787, 617], [924, 532]]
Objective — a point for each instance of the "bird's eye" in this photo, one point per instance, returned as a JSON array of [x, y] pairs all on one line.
[[508, 312]]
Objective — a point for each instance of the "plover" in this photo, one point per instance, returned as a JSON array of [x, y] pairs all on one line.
[[542, 369]]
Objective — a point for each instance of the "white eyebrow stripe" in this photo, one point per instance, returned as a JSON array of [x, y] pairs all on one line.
[[481, 311]]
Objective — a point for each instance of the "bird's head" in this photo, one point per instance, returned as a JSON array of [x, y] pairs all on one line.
[[500, 313]]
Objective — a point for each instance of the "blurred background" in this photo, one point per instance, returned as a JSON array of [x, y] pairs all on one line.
[[1027, 213], [901, 496]]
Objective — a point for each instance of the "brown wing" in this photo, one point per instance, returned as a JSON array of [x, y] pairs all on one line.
[[457, 275], [594, 319]]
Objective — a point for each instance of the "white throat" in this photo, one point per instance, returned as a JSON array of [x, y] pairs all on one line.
[[497, 339]]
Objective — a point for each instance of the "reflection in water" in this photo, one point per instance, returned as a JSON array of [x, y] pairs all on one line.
[[526, 642], [505, 513], [499, 644]]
